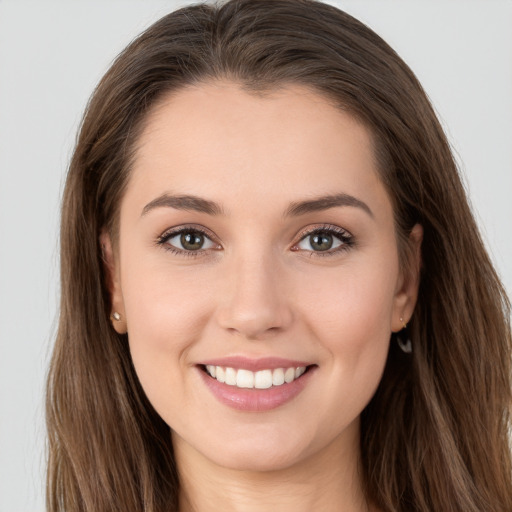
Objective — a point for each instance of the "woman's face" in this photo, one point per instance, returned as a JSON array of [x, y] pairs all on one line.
[[255, 237]]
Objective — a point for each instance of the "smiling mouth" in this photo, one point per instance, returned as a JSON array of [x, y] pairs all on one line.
[[262, 379]]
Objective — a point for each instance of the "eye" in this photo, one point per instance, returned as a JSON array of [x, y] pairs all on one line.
[[327, 240], [187, 240]]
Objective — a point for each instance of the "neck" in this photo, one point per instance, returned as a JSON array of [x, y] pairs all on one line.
[[330, 481]]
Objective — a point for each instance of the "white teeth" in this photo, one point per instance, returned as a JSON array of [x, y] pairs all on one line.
[[299, 371], [289, 375], [278, 377], [220, 374], [244, 379], [262, 379], [231, 376]]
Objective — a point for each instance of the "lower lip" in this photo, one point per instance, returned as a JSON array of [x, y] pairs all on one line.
[[256, 400]]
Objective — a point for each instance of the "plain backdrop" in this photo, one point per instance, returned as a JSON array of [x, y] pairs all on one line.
[[52, 53]]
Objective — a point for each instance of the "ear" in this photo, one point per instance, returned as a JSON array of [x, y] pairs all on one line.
[[112, 278], [408, 283]]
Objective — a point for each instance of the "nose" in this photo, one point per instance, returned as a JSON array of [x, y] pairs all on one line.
[[254, 302]]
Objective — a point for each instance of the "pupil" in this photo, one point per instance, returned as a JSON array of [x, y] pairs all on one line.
[[192, 241], [321, 242]]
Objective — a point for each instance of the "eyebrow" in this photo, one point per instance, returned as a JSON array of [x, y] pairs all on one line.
[[295, 209], [184, 202], [324, 203]]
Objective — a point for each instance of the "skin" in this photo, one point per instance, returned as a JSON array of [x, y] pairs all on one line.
[[259, 289]]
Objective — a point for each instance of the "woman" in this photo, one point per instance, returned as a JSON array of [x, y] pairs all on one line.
[[273, 291]]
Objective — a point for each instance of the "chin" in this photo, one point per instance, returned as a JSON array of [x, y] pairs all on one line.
[[258, 461], [273, 451]]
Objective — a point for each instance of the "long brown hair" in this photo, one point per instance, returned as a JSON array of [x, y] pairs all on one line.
[[435, 435]]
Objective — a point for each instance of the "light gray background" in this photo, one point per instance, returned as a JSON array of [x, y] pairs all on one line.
[[51, 56]]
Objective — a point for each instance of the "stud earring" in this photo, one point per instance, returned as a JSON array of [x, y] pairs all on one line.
[[405, 345], [115, 316]]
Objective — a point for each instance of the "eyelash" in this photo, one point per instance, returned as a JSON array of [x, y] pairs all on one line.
[[165, 237], [341, 234]]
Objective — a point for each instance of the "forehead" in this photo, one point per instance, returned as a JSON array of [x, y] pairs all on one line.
[[219, 141]]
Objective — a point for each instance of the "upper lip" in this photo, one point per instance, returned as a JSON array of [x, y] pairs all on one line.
[[252, 364]]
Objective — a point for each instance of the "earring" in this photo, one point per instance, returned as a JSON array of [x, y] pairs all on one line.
[[405, 345], [118, 323]]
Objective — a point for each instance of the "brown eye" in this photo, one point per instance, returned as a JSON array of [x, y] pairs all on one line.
[[320, 241], [189, 240], [192, 241]]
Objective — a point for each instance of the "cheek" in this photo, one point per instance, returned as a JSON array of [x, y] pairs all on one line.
[[350, 317], [353, 307], [166, 313], [162, 304]]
